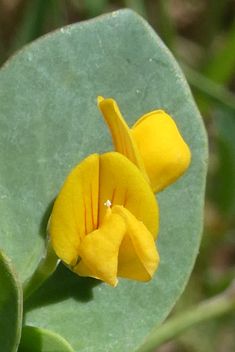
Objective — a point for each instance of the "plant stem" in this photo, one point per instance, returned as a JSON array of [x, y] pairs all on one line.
[[93, 8], [168, 31], [137, 6], [35, 17], [216, 92], [212, 308], [45, 268], [221, 67]]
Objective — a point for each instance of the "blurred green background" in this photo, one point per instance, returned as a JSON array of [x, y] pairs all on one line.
[[201, 35]]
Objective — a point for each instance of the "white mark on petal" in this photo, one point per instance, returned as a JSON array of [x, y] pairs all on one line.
[[108, 203]]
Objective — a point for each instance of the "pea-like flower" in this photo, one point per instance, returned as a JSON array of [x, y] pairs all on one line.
[[105, 220], [154, 144]]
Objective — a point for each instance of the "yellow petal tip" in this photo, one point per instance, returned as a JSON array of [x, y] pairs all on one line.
[[113, 282], [99, 99]]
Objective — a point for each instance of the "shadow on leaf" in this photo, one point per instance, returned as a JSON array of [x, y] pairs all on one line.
[[63, 284]]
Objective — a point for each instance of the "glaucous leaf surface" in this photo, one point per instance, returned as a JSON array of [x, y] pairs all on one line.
[[11, 303], [41, 340], [49, 123]]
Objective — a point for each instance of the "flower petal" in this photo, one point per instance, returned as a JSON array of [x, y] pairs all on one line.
[[154, 144], [138, 256], [165, 154], [122, 183], [75, 212], [123, 140], [99, 250]]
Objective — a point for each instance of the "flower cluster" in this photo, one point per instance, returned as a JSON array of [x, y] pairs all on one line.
[[105, 219]]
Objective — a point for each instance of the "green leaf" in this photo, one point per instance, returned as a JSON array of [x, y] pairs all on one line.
[[41, 340], [220, 68], [11, 303], [95, 8], [138, 6], [36, 16], [49, 123], [222, 188]]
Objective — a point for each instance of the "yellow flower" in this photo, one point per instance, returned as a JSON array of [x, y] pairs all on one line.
[[154, 144], [105, 220]]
